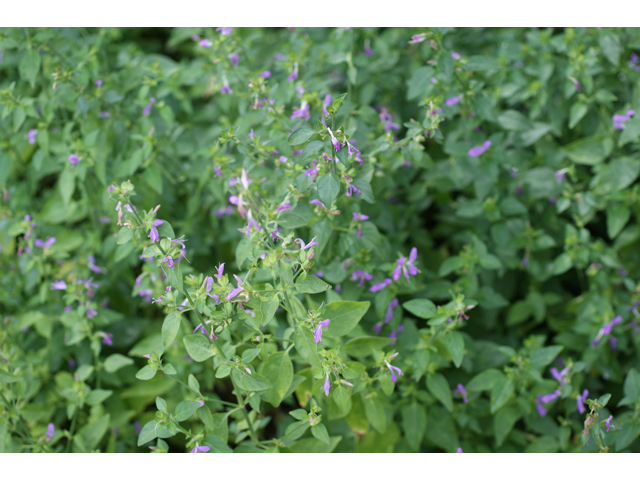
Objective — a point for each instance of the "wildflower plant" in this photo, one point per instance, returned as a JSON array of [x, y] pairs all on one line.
[[319, 240]]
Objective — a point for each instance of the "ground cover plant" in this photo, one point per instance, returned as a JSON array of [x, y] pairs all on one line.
[[319, 240]]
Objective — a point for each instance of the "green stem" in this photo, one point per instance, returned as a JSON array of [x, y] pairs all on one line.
[[71, 430]]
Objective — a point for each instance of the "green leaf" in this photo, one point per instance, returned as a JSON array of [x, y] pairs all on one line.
[[577, 112], [542, 357], [217, 444], [503, 423], [250, 382], [328, 188], [562, 263], [98, 396], [29, 66], [147, 433], [268, 309], [617, 217], [311, 149], [420, 82], [375, 414], [439, 388], [361, 347], [501, 393], [341, 397], [185, 409], [116, 361], [146, 373], [490, 262], [193, 383], [632, 385], [301, 135], [611, 47], [279, 371], [312, 284], [170, 328], [414, 423], [420, 307], [320, 432], [8, 378], [514, 120], [305, 346], [455, 345], [67, 184], [198, 347], [588, 151], [124, 235], [344, 316], [630, 133], [296, 429], [296, 218], [485, 380]]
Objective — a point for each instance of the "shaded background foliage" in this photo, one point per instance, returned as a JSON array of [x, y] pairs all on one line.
[[539, 233]]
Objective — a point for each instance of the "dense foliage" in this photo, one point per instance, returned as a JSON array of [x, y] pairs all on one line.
[[319, 240]]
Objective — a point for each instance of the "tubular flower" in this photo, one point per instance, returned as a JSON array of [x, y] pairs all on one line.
[[334, 140], [550, 397], [460, 390], [317, 333], [205, 43], [169, 260], [606, 329], [234, 57], [312, 171], [200, 449], [294, 73], [450, 102], [560, 376], [59, 285], [153, 233], [51, 431], [608, 422], [146, 111], [419, 38], [362, 275], [393, 371], [325, 104], [304, 246], [477, 151], [234, 293], [379, 286], [302, 112], [327, 385], [389, 315], [406, 266], [580, 399], [31, 136], [225, 86]]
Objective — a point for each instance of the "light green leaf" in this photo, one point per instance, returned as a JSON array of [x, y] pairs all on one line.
[[305, 346], [279, 371], [301, 135], [312, 284], [198, 347], [185, 409], [170, 328], [439, 388], [328, 188], [344, 316], [420, 307], [455, 345]]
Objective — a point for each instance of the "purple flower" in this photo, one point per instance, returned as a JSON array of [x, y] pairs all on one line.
[[360, 217], [327, 385], [44, 244], [146, 111], [31, 136], [613, 341], [362, 275], [459, 450], [325, 104], [541, 410], [406, 266], [477, 151], [294, 73], [606, 329], [208, 284], [234, 57], [107, 338], [420, 37], [389, 315], [455, 55], [200, 449], [146, 292], [317, 333], [460, 390], [608, 422], [233, 293], [153, 233], [282, 159], [576, 83], [386, 118], [580, 399], [367, 48], [205, 43], [377, 328], [549, 397], [302, 112], [618, 120], [300, 89], [379, 286], [74, 159], [224, 31], [560, 174], [304, 246], [59, 285], [92, 265], [225, 87], [282, 207], [169, 261], [334, 140], [67, 309], [265, 74], [312, 171], [450, 102], [393, 336], [98, 83], [317, 202], [105, 114], [351, 189], [560, 376], [219, 271], [51, 431], [393, 371]]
